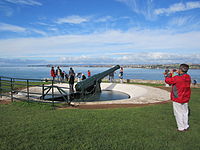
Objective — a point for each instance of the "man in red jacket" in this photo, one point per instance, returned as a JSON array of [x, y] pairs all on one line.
[[180, 95]]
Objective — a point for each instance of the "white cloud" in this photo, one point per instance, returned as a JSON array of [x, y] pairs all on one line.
[[132, 58], [24, 2], [16, 62], [181, 21], [39, 32], [11, 28], [104, 19], [53, 29], [112, 58], [178, 7], [147, 9], [18, 29], [72, 20], [193, 5], [43, 24], [7, 11], [159, 57], [144, 7], [101, 44]]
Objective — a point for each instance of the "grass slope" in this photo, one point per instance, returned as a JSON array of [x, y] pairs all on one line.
[[38, 126]]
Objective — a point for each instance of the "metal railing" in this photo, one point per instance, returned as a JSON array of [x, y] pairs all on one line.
[[23, 89]]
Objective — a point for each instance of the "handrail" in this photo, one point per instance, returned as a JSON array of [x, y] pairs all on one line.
[[27, 79], [0, 89], [9, 86]]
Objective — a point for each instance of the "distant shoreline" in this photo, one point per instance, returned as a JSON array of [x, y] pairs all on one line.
[[149, 66]]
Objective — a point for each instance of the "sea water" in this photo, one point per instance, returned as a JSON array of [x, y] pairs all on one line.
[[129, 73]]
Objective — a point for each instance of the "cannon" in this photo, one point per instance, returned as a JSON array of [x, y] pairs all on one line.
[[88, 86], [92, 84]]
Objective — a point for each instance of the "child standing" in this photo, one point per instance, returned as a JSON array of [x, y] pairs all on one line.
[[180, 95]]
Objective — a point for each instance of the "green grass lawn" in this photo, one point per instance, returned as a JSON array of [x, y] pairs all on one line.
[[35, 126]]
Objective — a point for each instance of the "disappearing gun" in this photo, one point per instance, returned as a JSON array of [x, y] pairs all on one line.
[[92, 84]]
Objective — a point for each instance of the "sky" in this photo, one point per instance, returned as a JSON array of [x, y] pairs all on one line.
[[99, 32]]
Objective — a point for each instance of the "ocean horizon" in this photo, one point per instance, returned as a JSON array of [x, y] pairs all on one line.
[[129, 73]]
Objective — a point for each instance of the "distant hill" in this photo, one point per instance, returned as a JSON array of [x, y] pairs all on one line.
[[146, 66]]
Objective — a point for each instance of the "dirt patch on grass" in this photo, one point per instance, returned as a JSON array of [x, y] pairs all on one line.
[[107, 106], [5, 101]]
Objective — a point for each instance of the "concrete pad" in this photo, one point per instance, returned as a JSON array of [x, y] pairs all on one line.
[[139, 94]]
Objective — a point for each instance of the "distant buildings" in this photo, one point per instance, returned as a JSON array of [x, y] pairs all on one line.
[[146, 66]]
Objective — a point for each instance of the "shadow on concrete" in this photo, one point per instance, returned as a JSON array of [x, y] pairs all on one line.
[[111, 86]]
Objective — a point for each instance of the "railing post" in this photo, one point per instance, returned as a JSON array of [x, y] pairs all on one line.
[[52, 92], [11, 86], [0, 89], [42, 91], [27, 83]]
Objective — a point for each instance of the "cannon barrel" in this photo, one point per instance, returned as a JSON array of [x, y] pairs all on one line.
[[94, 81]]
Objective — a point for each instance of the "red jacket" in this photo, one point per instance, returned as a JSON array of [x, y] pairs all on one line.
[[53, 74], [180, 87], [89, 73]]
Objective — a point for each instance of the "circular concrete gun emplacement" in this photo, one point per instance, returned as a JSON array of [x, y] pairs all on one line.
[[87, 91], [138, 94], [114, 93]]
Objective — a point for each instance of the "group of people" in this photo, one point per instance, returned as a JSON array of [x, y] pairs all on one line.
[[62, 75], [82, 76], [112, 74]]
